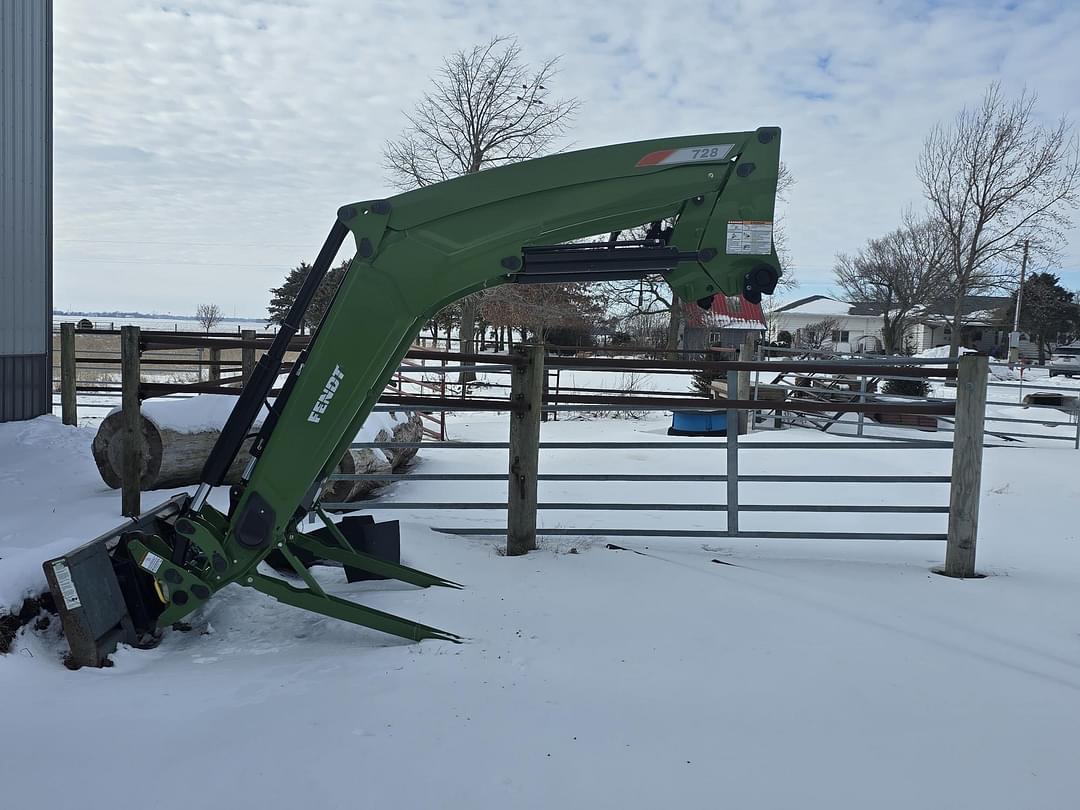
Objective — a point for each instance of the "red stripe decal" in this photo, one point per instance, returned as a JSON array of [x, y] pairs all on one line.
[[653, 158]]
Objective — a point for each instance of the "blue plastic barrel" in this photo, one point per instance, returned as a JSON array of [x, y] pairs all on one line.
[[698, 423]]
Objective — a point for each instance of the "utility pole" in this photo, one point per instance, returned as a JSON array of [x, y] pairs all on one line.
[[1014, 336]]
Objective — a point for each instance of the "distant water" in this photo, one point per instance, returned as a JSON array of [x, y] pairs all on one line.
[[163, 324]]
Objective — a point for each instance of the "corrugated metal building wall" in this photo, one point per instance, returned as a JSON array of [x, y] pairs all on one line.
[[25, 208]]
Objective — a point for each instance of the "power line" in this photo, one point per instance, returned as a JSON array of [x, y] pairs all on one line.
[[181, 244], [162, 261]]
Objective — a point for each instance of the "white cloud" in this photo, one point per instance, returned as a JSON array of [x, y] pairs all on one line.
[[202, 147]]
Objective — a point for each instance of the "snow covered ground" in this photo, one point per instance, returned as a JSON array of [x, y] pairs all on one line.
[[802, 674]]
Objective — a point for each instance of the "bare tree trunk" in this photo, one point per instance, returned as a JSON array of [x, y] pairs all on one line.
[[466, 334], [1042, 351], [674, 321], [894, 335], [888, 335], [954, 341]]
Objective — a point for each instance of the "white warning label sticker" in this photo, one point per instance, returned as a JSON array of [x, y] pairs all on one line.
[[749, 236], [67, 587], [151, 562]]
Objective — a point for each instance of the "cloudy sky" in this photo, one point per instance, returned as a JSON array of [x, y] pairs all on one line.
[[203, 146]]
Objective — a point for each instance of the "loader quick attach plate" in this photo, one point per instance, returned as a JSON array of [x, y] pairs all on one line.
[[100, 601]]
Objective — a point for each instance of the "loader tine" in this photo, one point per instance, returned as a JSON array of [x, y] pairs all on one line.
[[337, 608], [358, 559], [371, 563]]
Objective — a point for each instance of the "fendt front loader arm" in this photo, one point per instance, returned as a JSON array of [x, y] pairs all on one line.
[[415, 253]]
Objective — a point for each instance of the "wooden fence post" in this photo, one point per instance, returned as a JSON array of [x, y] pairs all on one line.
[[526, 392], [546, 414], [131, 457], [971, 383], [69, 410], [247, 356], [732, 444], [215, 364], [742, 390]]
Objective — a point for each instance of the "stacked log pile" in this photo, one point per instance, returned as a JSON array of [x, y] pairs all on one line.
[[375, 460]]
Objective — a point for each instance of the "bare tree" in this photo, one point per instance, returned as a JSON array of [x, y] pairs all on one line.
[[542, 308], [486, 108], [784, 181], [817, 335], [773, 317], [208, 316], [897, 274], [638, 307], [996, 177]]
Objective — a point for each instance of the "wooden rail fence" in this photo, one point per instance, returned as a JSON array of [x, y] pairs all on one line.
[[527, 400]]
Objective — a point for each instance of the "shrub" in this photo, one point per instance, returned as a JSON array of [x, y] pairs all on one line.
[[907, 387], [701, 383]]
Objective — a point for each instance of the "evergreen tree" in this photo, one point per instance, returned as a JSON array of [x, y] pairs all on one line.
[[1047, 311], [281, 298], [907, 387], [701, 382]]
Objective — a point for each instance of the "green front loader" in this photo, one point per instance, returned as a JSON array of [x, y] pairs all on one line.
[[708, 204]]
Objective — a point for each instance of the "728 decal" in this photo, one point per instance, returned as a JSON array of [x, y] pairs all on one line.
[[688, 154], [706, 152]]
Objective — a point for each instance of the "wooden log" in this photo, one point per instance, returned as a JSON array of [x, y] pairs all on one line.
[[370, 460], [170, 458], [407, 430], [167, 458], [362, 460]]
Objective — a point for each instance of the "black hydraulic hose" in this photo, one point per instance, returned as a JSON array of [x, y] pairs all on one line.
[[266, 370]]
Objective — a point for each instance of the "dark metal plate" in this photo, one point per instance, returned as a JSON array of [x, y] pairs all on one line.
[[90, 598]]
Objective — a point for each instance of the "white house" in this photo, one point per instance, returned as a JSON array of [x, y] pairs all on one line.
[[981, 327], [856, 326]]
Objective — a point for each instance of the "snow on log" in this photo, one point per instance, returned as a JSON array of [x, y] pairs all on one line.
[[170, 458], [179, 434], [403, 427], [375, 459], [358, 460]]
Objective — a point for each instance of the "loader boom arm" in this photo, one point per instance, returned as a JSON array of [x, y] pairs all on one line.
[[419, 251], [415, 253]]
